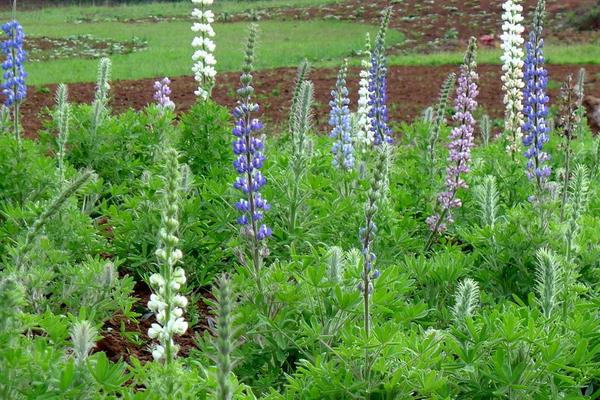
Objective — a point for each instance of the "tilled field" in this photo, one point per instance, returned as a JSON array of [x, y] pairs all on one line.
[[411, 90]]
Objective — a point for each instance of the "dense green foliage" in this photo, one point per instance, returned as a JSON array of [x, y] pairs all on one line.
[[299, 337]]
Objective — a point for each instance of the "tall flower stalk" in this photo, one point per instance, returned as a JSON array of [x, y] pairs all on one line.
[[367, 237], [301, 77], [440, 115], [460, 145], [364, 135], [339, 120], [13, 86], [63, 115], [536, 128], [165, 303], [100, 104], [203, 57], [224, 338], [378, 86], [512, 67], [248, 148], [567, 128]]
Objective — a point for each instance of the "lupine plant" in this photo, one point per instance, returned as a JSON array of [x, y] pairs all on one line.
[[512, 67], [486, 129], [13, 87], [500, 309], [162, 91], [166, 304], [63, 116], [440, 115], [339, 120], [224, 341], [567, 128], [535, 102], [578, 199], [460, 145], [364, 134], [367, 237], [203, 57], [302, 123], [301, 76], [100, 104], [248, 148], [378, 86]]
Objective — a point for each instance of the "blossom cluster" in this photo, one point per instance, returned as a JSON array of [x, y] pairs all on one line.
[[536, 100], [378, 114], [364, 135], [512, 67], [339, 120], [13, 87], [162, 92], [165, 303], [204, 60], [461, 142], [248, 148]]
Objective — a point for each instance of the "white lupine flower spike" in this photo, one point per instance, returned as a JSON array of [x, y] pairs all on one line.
[[512, 68], [165, 302], [203, 58], [364, 136]]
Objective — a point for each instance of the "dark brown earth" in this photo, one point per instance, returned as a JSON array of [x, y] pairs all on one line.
[[432, 25], [117, 346], [411, 90]]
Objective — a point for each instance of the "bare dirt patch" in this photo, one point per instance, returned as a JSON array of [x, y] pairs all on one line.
[[411, 90]]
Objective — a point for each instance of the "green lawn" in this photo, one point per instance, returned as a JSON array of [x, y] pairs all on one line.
[[60, 15], [555, 54], [281, 44]]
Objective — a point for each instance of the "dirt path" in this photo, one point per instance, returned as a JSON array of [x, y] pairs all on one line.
[[411, 89]]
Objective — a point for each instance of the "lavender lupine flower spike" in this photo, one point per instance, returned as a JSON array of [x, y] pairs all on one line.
[[378, 86], [14, 87], [248, 149], [461, 143], [339, 119], [162, 93], [535, 103]]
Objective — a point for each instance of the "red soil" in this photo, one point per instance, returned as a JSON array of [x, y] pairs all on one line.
[[411, 89]]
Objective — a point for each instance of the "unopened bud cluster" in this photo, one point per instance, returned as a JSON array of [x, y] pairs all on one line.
[[165, 302]]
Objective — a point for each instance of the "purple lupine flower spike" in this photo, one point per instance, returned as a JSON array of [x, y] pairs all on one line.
[[339, 120], [13, 87], [535, 128], [248, 148], [461, 142], [162, 92], [378, 114]]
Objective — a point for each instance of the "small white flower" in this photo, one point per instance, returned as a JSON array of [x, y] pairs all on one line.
[[180, 301], [161, 316], [179, 275], [160, 253], [156, 303], [158, 352], [178, 326], [177, 255], [177, 312], [157, 280], [154, 331]]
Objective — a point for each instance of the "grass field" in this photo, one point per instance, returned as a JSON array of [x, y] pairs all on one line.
[[60, 15], [281, 44]]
